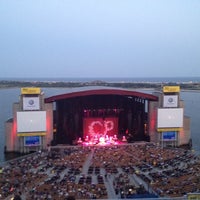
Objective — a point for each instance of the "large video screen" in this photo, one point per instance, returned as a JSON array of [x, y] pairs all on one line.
[[32, 141], [170, 117], [98, 127], [31, 121]]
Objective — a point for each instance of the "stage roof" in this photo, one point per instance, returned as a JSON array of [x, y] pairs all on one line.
[[100, 91]]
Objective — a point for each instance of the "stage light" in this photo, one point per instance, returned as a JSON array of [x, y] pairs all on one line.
[[102, 140], [80, 141], [124, 139]]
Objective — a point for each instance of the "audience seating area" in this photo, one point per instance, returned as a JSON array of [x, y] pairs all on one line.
[[102, 172]]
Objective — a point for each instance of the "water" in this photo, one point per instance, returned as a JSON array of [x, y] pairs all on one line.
[[192, 109], [9, 96], [109, 79]]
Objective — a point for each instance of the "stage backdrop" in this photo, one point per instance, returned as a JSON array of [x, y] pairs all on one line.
[[99, 127]]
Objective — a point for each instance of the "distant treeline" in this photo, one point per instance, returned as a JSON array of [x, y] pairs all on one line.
[[46, 84]]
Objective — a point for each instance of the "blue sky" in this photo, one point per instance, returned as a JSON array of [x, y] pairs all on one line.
[[99, 38]]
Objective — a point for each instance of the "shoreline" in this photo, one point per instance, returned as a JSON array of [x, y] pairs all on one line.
[[128, 85]]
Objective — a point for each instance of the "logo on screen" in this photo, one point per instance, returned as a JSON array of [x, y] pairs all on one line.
[[170, 100], [31, 102], [98, 127]]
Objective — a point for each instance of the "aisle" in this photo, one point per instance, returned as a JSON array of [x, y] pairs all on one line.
[[87, 163], [108, 182]]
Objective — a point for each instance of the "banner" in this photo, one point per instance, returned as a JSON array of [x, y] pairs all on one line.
[[31, 90], [31, 103], [32, 141], [31, 134], [170, 101], [193, 196], [169, 89], [169, 135]]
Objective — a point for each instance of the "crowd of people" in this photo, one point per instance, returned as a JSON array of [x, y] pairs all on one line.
[[102, 172]]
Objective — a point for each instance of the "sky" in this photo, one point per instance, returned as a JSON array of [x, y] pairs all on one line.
[[99, 38]]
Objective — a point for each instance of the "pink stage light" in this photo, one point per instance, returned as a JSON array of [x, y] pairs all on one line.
[[102, 140], [124, 139], [80, 141]]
